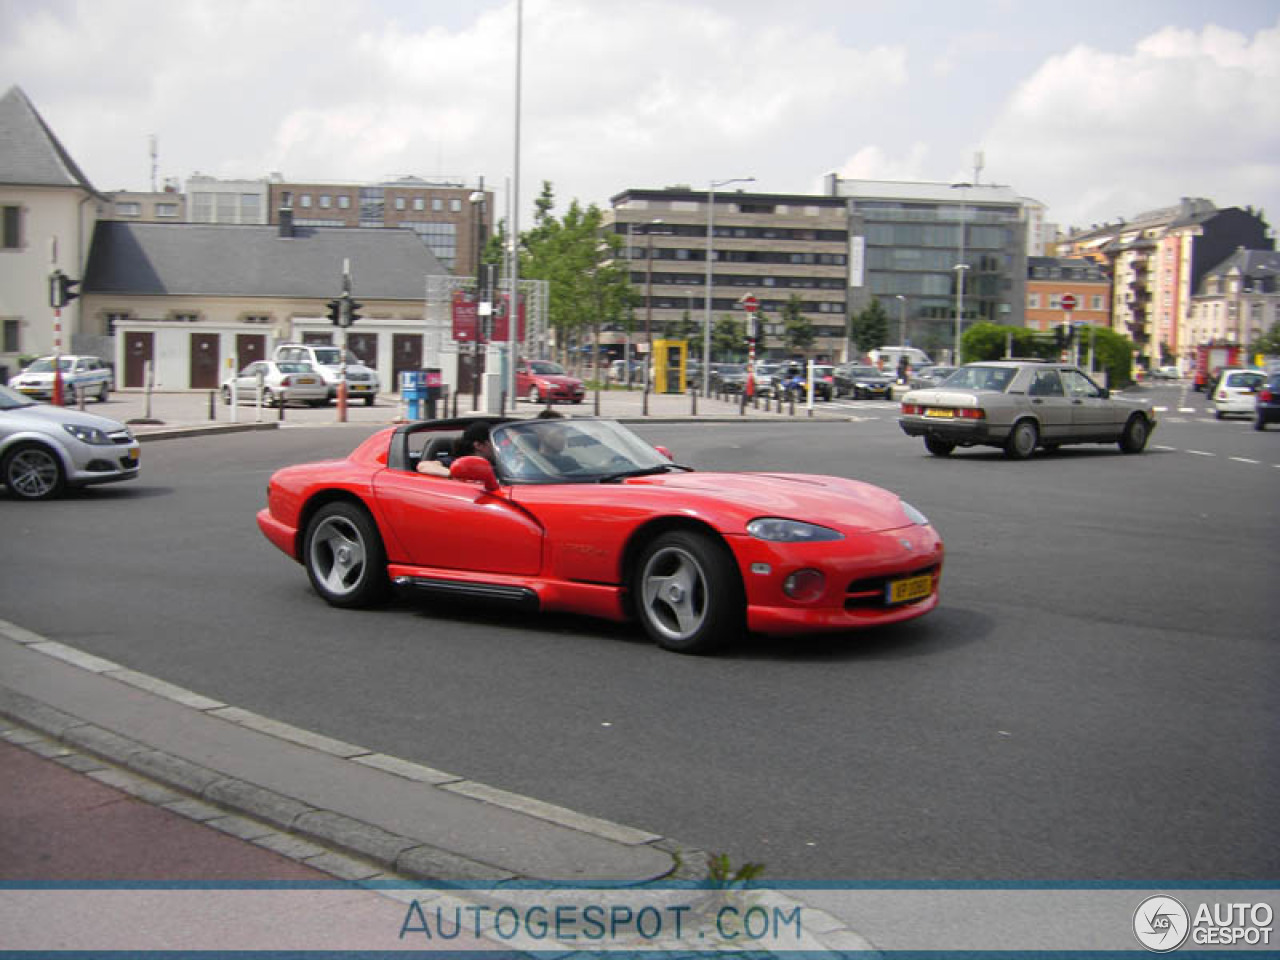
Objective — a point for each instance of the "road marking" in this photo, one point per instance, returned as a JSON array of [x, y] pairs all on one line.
[[1243, 460], [1186, 409], [1202, 453]]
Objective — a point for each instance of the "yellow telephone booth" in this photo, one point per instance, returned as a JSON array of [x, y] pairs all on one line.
[[670, 359]]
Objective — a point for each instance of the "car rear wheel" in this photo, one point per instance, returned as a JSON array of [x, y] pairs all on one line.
[[939, 447], [269, 399], [32, 471], [104, 392], [345, 559], [1022, 440], [687, 592], [1134, 437]]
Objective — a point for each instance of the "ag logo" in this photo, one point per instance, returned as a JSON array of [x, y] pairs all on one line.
[[1161, 923]]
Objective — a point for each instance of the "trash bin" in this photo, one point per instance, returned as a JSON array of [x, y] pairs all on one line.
[[413, 391]]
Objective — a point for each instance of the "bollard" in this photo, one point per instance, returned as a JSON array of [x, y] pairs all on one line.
[[283, 401], [79, 396], [644, 406], [742, 404], [693, 401], [213, 405]]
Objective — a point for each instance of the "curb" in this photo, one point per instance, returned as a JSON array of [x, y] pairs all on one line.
[[178, 431]]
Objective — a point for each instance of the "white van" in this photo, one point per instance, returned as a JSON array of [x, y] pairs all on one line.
[[893, 355], [362, 382]]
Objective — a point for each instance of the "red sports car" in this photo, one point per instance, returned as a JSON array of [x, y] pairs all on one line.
[[582, 515]]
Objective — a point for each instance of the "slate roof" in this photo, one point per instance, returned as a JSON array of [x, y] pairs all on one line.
[[30, 154], [1261, 268], [251, 260]]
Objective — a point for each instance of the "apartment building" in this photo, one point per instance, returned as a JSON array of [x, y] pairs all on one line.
[[772, 246], [1049, 279], [1158, 260], [452, 218], [162, 206], [932, 252], [211, 200], [1238, 300]]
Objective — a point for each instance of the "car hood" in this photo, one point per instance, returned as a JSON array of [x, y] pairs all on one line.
[[846, 505], [43, 416]]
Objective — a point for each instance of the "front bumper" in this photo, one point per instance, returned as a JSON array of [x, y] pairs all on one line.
[[856, 575]]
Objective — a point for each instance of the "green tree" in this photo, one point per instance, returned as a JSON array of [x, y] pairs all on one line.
[[797, 331], [1269, 342], [1111, 351], [869, 328], [728, 336]]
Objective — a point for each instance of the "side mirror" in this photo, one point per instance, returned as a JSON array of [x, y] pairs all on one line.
[[475, 470]]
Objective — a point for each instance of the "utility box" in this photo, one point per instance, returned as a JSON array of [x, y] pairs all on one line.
[[670, 362]]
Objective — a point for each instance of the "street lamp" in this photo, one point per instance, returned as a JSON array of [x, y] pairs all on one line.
[[648, 308], [706, 320], [902, 319], [960, 269]]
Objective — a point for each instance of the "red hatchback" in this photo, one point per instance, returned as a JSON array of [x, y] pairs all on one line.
[[541, 381]]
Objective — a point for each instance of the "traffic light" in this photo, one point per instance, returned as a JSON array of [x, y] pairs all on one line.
[[350, 310], [62, 289], [335, 312]]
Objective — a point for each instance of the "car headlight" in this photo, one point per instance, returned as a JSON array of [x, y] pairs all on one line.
[[87, 434], [914, 515], [779, 530]]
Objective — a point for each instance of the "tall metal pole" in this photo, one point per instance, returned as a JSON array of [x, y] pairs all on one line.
[[513, 307], [960, 269], [902, 319], [711, 232]]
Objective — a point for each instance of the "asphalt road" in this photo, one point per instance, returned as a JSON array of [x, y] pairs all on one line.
[[1094, 699]]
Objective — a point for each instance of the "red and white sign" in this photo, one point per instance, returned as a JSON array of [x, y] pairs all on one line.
[[750, 303], [1069, 302]]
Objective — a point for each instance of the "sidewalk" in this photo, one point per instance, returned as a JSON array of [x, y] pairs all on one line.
[[196, 412]]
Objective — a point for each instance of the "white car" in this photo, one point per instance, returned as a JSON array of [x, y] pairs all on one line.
[[1237, 392], [281, 383], [45, 449], [362, 381], [81, 376]]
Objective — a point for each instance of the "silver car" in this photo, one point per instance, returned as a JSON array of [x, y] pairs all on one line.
[[45, 449], [81, 376], [1021, 405], [280, 382]]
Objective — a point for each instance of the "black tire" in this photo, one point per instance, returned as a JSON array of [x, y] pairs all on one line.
[[1259, 423], [939, 447], [368, 401], [345, 559], [269, 399], [687, 592], [1134, 437], [1022, 440], [32, 471], [104, 392], [1218, 414]]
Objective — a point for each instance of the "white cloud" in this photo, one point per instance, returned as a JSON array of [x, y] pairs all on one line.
[[1187, 113]]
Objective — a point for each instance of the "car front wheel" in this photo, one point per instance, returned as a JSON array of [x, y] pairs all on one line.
[[687, 592], [104, 392], [345, 559], [1136, 432], [32, 471], [1022, 440]]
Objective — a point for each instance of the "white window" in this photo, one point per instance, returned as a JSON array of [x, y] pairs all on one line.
[[400, 204], [1033, 301], [129, 209], [344, 203], [326, 201], [305, 200], [419, 203], [437, 204], [455, 206], [166, 209]]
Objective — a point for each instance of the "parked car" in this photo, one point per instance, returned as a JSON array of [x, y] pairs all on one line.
[[794, 382], [770, 553], [1020, 406], [1236, 392], [618, 371], [281, 382], [45, 449], [542, 381], [930, 376], [862, 382], [1268, 404], [1165, 373], [362, 381], [81, 376], [729, 377]]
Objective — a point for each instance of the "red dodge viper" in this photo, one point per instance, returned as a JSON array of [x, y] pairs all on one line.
[[582, 515]]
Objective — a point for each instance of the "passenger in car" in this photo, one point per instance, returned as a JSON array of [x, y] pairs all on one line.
[[474, 442]]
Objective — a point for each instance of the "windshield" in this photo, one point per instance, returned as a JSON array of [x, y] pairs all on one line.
[[978, 377], [332, 357], [863, 372], [12, 399], [45, 365], [546, 367], [572, 451]]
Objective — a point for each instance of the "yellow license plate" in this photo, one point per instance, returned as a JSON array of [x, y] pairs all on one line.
[[910, 588], [939, 412]]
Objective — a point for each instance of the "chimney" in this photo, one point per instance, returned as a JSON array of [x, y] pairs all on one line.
[[286, 221]]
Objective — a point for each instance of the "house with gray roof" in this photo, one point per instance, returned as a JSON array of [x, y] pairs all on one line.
[[47, 211], [195, 302], [1238, 300]]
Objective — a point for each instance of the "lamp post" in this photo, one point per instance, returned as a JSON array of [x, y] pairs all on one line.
[[706, 320], [648, 308], [960, 269], [902, 319], [477, 203]]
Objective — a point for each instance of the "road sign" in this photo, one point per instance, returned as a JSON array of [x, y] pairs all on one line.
[[1069, 302], [750, 303]]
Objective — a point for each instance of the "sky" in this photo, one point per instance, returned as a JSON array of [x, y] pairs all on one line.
[[1099, 110]]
